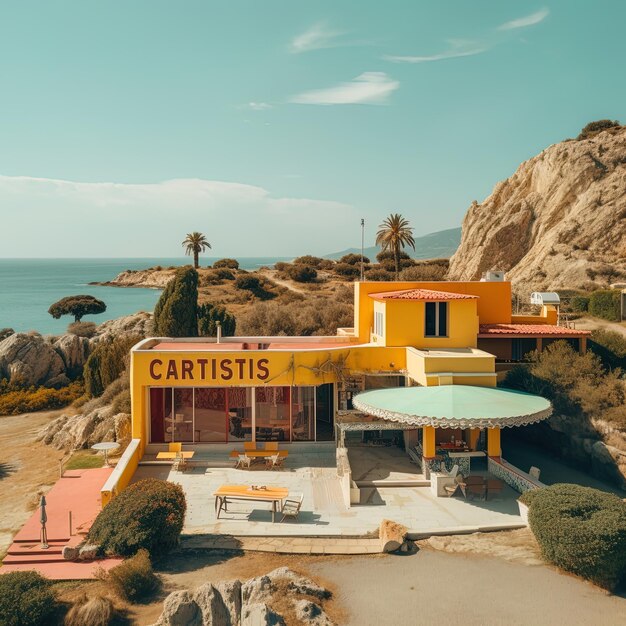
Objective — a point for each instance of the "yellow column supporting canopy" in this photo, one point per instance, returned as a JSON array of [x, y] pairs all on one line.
[[429, 441], [493, 442]]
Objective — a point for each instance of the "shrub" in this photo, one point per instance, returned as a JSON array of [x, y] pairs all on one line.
[[281, 266], [353, 259], [148, 514], [107, 362], [224, 273], [209, 315], [82, 329], [610, 346], [326, 264], [581, 530], [379, 274], [175, 312], [593, 128], [92, 611], [308, 259], [15, 399], [248, 282], [606, 303], [347, 270], [302, 273], [78, 306], [231, 264], [134, 579], [432, 270], [26, 599], [580, 304]]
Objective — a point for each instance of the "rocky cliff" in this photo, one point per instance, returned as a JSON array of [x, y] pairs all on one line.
[[559, 221]]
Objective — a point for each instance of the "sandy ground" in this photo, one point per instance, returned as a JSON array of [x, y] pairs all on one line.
[[594, 323], [28, 468]]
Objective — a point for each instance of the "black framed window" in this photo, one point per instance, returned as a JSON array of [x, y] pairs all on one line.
[[436, 319]]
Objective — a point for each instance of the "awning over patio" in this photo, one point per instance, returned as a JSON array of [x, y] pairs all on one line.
[[454, 406]]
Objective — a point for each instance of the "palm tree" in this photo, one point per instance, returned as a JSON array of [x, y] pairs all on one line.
[[394, 234], [195, 243]]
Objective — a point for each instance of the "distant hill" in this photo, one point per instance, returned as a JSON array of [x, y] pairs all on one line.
[[439, 245]]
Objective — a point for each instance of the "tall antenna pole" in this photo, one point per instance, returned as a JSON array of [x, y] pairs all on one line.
[[362, 245]]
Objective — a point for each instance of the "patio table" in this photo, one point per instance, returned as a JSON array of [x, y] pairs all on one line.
[[266, 454], [273, 495], [170, 456]]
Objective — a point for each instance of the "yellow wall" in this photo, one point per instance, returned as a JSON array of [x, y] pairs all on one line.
[[405, 325], [150, 368], [493, 305], [548, 315]]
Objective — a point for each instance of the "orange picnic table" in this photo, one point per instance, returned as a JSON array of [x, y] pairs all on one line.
[[273, 495], [259, 453]]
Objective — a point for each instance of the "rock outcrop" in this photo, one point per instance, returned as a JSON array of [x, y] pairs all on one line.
[[73, 432], [559, 221], [30, 360], [155, 278], [251, 603]]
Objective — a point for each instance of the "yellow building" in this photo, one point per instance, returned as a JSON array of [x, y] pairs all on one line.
[[201, 391]]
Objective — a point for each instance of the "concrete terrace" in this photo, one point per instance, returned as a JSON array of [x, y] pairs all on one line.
[[312, 472]]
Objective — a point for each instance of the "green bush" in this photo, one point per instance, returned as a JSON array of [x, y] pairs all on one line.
[[107, 362], [148, 514], [26, 599], [134, 579], [433, 270], [6, 332], [302, 273], [379, 274], [581, 530], [606, 303], [353, 259], [580, 304], [231, 264], [347, 270], [175, 312], [248, 282], [610, 346], [209, 315], [593, 128], [308, 259], [15, 399]]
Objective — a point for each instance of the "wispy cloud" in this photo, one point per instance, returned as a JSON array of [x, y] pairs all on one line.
[[528, 20], [368, 88], [456, 48], [319, 36], [258, 106], [118, 211]]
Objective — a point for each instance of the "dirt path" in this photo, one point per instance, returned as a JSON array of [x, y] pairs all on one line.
[[593, 323], [271, 274], [27, 469]]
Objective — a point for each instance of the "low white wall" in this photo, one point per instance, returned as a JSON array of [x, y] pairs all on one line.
[[349, 490], [513, 476]]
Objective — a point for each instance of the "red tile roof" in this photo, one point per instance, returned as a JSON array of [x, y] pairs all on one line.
[[543, 330], [421, 294]]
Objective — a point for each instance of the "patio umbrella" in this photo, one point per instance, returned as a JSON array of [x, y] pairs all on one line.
[[43, 518]]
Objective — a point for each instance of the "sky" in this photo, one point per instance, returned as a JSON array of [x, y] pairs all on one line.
[[274, 126]]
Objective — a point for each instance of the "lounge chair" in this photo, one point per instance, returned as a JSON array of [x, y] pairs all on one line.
[[249, 446], [453, 472], [457, 484], [275, 462], [271, 446], [291, 507], [243, 462]]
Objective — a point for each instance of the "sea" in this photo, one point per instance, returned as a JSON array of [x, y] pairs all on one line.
[[29, 286]]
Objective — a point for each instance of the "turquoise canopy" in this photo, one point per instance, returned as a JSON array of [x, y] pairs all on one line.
[[454, 406]]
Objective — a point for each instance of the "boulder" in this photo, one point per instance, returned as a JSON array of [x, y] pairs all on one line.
[[256, 590], [260, 615], [299, 584], [89, 552], [71, 553], [28, 359], [231, 596], [605, 462], [137, 324], [74, 351], [392, 535], [308, 612], [180, 609], [213, 608]]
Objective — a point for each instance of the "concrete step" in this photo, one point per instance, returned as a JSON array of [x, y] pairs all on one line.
[[29, 549], [393, 483], [10, 559]]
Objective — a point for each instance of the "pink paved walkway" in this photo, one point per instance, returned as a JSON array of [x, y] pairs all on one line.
[[79, 492]]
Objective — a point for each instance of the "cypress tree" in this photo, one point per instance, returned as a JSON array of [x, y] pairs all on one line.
[[175, 314], [209, 315]]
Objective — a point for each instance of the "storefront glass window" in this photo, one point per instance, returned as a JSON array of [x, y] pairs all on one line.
[[211, 419], [183, 414], [239, 403], [303, 414], [272, 413]]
